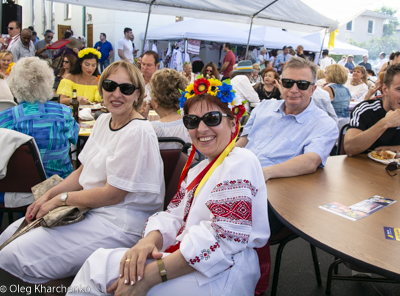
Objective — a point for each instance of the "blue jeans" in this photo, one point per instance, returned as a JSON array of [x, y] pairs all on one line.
[[103, 65]]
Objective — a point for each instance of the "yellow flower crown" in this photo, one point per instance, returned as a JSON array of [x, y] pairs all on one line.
[[88, 50]]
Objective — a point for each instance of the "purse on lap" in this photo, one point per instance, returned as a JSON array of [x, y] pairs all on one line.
[[60, 216]]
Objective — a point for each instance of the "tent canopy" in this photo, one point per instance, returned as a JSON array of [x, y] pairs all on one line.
[[299, 15], [277, 38], [207, 30], [340, 47]]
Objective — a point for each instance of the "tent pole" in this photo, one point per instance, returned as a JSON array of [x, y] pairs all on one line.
[[248, 39], [147, 25], [322, 45]]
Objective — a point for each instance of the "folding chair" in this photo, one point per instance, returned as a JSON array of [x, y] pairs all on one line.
[[5, 104], [24, 170]]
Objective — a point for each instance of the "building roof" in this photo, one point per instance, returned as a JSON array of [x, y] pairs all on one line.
[[377, 15]]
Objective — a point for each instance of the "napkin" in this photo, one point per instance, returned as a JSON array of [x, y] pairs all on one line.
[[86, 114]]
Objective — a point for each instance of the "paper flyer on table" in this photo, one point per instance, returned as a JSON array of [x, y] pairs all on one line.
[[343, 211]]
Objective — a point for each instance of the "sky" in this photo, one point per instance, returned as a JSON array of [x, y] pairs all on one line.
[[390, 3]]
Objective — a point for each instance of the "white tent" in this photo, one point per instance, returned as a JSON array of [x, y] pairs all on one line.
[[277, 38], [201, 30], [299, 15], [340, 47]]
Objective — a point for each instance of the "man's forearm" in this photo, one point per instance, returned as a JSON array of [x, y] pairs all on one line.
[[299, 165]]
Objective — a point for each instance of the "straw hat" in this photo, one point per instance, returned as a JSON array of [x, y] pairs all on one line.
[[75, 43]]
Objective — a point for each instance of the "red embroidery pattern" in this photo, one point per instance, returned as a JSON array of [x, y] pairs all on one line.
[[145, 224], [230, 235], [176, 200], [204, 254], [232, 208], [238, 184], [186, 210]]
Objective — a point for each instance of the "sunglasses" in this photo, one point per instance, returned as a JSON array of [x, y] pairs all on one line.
[[209, 71], [66, 62], [10, 28], [125, 88], [392, 167], [301, 84], [212, 118]]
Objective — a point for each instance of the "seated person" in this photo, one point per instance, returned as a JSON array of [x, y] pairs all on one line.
[[210, 71], [165, 85], [357, 84], [374, 124], [242, 86], [208, 240], [51, 124], [83, 77], [121, 179], [187, 72], [270, 87], [67, 64], [290, 137], [255, 76]]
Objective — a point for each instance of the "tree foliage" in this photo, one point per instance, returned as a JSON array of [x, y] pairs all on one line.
[[389, 26], [386, 44]]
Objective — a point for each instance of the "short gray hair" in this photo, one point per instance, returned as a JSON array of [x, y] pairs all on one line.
[[300, 63], [263, 49], [31, 80]]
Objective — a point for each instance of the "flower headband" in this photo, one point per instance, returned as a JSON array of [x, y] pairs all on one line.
[[222, 90], [88, 50]]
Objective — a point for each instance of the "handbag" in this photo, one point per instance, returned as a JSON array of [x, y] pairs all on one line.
[[58, 217]]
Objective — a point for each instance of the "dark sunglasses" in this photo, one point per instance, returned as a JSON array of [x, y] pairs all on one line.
[[392, 167], [66, 62], [209, 71], [212, 118], [301, 84], [125, 88], [10, 28]]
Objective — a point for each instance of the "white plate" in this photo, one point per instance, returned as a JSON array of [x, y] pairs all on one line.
[[384, 161]]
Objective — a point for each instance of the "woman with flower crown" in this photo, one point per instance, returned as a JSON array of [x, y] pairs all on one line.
[[83, 77], [120, 179], [204, 243]]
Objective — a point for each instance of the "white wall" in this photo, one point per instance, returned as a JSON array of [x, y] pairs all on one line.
[[360, 29]]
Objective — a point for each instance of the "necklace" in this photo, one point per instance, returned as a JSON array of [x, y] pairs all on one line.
[[82, 80], [268, 94], [355, 83]]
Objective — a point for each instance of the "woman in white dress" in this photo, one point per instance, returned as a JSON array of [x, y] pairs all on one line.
[[165, 85], [203, 244], [121, 179]]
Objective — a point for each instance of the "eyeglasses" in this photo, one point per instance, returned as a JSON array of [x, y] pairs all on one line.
[[67, 62], [301, 84], [125, 88], [392, 167], [212, 118], [10, 28], [209, 71]]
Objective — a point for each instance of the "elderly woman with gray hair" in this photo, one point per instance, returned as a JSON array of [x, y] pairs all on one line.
[[51, 124]]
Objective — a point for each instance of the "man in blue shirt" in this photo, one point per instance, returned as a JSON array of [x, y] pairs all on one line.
[[106, 51], [290, 137], [282, 58]]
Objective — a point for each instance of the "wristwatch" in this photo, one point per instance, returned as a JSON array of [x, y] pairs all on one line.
[[63, 198], [161, 268]]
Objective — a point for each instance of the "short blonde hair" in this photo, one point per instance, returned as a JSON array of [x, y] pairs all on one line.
[[165, 85], [364, 71], [31, 80], [256, 67], [134, 74], [4, 53], [320, 74], [336, 73]]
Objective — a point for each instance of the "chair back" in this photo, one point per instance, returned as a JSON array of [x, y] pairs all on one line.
[[24, 169], [340, 146], [6, 104]]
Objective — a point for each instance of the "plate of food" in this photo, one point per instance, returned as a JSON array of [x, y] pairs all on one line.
[[384, 156], [93, 107]]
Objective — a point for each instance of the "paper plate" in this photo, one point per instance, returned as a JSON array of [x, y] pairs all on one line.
[[384, 161]]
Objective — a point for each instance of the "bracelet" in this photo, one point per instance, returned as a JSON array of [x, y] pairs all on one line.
[[163, 272]]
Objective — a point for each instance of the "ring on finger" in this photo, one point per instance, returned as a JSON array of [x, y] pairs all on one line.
[[127, 260]]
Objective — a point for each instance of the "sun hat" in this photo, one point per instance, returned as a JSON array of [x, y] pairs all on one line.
[[244, 66], [75, 43]]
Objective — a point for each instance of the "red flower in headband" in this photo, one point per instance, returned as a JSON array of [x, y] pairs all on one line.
[[238, 111], [201, 86]]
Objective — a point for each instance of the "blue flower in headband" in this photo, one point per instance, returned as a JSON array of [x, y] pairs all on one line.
[[182, 99], [226, 94]]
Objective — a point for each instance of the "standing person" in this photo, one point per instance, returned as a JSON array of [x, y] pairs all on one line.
[[299, 51], [326, 60], [393, 59], [343, 61], [106, 51], [149, 66], [282, 58], [71, 48], [34, 37], [382, 61], [14, 30], [125, 48], [228, 61], [365, 63], [41, 46], [24, 46], [261, 60], [350, 63]]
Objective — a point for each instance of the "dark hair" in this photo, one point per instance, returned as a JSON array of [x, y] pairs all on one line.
[[154, 54], [325, 52], [77, 69], [67, 35], [228, 45], [47, 32], [17, 24], [391, 57], [266, 70], [214, 68], [31, 28], [104, 34], [274, 52], [384, 54], [34, 33], [396, 54], [126, 30], [210, 100], [370, 71], [391, 71], [71, 59]]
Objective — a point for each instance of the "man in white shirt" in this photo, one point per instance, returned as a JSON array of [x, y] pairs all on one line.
[[125, 48], [149, 66], [326, 60], [382, 61], [261, 60], [14, 29], [24, 46]]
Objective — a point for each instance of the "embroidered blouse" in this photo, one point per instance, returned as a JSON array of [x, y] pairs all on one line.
[[90, 92]]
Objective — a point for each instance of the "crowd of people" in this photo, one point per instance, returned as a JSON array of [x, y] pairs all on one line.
[[204, 243]]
